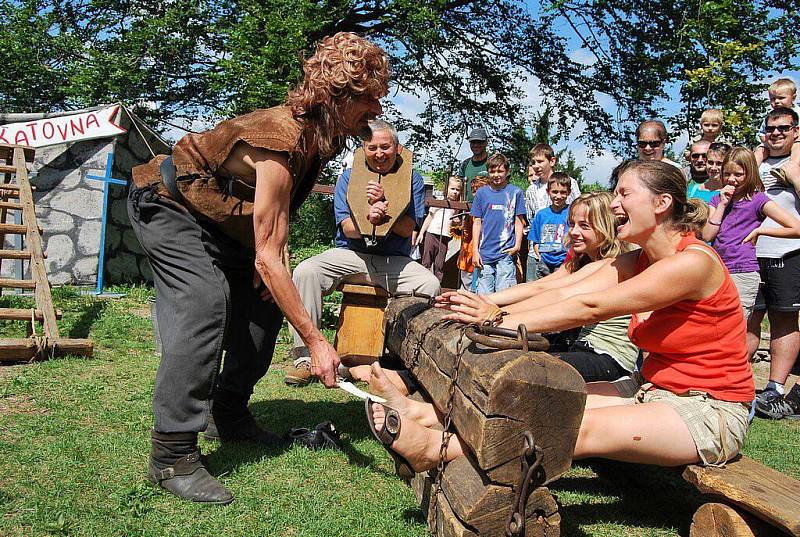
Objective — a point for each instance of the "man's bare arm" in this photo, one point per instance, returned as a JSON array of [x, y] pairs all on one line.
[[271, 225]]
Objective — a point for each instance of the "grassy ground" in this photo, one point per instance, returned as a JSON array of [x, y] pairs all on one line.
[[74, 442]]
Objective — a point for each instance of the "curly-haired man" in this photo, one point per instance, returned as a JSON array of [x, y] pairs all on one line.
[[213, 218]]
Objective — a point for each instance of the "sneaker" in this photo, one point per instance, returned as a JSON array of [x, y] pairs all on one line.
[[772, 405], [301, 374]]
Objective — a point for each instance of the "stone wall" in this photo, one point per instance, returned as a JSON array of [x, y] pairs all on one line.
[[69, 209]]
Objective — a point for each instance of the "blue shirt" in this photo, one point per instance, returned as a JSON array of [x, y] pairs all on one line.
[[392, 244], [497, 209], [693, 191], [548, 230]]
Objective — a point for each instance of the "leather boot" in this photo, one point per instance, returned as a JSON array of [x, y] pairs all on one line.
[[176, 465], [230, 419]]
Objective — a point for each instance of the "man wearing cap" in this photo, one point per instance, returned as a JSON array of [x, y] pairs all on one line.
[[472, 166]]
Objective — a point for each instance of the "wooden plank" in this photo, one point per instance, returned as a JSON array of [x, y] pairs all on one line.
[[359, 334], [44, 300], [396, 187], [486, 507], [20, 314], [12, 283], [754, 487], [11, 186], [720, 520], [5, 168], [15, 254]]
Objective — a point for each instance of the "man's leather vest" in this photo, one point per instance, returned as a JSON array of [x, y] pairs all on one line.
[[210, 192]]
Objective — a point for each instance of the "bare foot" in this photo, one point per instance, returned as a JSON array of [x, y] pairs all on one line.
[[422, 413], [364, 372], [417, 444]]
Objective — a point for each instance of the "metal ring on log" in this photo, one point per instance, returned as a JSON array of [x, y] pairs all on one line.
[[507, 339]]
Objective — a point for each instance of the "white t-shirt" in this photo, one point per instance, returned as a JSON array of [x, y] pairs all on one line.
[[440, 221], [773, 247]]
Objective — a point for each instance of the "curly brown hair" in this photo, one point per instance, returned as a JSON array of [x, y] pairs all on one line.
[[343, 68]]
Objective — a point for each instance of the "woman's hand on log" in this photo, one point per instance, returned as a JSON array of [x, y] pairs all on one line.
[[466, 307]]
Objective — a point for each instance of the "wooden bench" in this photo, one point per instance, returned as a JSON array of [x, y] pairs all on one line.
[[359, 334], [768, 498]]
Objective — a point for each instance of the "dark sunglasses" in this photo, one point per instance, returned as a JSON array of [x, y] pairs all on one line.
[[783, 129], [699, 155], [641, 144]]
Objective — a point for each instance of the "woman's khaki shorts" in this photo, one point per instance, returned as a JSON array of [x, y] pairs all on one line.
[[718, 428]]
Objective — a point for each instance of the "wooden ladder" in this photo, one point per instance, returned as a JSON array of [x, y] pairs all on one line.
[[18, 196]]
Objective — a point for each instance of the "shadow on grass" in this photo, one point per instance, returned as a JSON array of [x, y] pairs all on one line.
[[83, 323], [280, 415], [637, 495]]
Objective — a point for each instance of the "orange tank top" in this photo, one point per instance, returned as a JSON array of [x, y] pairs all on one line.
[[697, 344]]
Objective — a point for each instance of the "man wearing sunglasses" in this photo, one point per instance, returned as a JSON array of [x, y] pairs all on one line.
[[697, 170], [779, 262], [651, 138]]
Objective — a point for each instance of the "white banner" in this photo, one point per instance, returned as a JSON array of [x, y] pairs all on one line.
[[59, 130]]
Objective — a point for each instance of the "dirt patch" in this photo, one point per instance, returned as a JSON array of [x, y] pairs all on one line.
[[19, 404]]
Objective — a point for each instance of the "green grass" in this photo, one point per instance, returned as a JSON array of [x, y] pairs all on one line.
[[74, 442]]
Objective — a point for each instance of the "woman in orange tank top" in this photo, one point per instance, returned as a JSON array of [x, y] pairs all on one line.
[[693, 400]]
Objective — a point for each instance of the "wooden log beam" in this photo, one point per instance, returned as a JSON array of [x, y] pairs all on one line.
[[486, 507], [10, 205], [13, 229], [23, 349], [499, 395], [720, 520], [13, 283], [754, 487], [20, 314], [15, 254]]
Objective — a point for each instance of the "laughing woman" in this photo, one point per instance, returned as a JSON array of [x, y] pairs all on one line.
[[696, 384]]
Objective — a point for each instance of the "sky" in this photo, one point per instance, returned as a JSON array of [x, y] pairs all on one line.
[[597, 168]]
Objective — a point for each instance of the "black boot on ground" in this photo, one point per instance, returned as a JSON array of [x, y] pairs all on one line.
[[176, 466], [230, 419]]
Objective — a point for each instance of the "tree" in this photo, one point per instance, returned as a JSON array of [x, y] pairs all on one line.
[[467, 60]]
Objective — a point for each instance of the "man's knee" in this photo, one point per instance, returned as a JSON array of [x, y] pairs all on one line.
[[429, 284]]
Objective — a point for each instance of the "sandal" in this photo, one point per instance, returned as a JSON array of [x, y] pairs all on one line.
[[322, 436], [387, 435]]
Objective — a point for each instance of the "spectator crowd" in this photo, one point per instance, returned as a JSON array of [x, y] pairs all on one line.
[[749, 203]]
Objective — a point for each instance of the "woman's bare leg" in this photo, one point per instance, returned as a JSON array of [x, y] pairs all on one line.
[[648, 433], [602, 394], [422, 413], [417, 444]]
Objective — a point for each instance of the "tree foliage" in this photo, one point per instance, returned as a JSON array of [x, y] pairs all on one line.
[[468, 61]]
